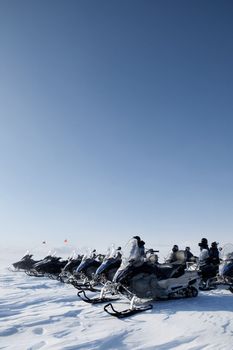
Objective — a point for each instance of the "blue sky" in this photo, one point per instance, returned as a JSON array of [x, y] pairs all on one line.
[[116, 120]]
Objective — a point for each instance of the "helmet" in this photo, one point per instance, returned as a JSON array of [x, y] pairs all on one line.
[[204, 241], [175, 248]]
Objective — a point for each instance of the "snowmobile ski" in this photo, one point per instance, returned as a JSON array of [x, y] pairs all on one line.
[[34, 273], [127, 312], [94, 300], [84, 286]]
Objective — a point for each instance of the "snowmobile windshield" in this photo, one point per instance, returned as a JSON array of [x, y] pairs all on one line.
[[26, 254], [103, 266], [50, 254], [131, 255], [111, 253], [226, 252], [114, 252], [85, 257], [90, 254], [108, 254], [131, 252], [73, 255]]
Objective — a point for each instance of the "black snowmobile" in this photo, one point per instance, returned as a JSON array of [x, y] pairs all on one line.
[[104, 273], [84, 273], [51, 266], [25, 264], [69, 270]]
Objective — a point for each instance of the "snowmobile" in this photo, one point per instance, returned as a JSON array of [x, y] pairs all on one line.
[[69, 269], [225, 275], [26, 263], [142, 280], [104, 273], [86, 270], [50, 266], [111, 262]]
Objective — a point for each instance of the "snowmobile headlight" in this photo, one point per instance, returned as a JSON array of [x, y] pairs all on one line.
[[153, 258]]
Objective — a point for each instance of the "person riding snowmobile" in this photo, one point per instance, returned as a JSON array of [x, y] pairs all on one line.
[[173, 255], [189, 256], [207, 269], [214, 254]]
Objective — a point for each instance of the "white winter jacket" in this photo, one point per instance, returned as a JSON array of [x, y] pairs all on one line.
[[203, 257]]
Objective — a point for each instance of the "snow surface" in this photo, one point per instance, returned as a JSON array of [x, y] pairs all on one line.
[[39, 313]]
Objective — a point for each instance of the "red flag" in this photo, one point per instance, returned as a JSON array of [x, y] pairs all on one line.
[[65, 240]]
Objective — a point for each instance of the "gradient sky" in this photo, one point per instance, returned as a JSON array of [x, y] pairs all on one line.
[[115, 120]]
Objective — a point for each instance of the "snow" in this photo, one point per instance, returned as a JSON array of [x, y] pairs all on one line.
[[39, 313]]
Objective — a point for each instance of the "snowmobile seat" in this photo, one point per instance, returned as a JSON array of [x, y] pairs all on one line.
[[164, 271]]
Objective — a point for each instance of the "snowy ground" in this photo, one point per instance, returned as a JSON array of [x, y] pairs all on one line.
[[39, 313]]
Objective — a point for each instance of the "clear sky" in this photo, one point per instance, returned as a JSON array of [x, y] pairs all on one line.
[[115, 120]]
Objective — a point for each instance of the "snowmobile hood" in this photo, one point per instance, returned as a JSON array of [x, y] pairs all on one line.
[[227, 269], [43, 262], [105, 265], [121, 273], [72, 263], [226, 252], [84, 264]]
